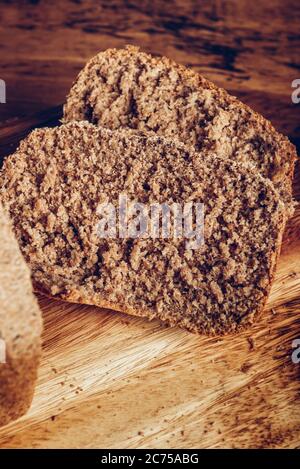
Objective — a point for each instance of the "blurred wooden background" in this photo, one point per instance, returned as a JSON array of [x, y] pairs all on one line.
[[152, 387], [249, 48]]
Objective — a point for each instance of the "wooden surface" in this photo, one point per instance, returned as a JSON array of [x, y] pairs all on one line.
[[109, 380]]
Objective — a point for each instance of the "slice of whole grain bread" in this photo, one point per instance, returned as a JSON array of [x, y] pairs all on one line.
[[53, 187], [20, 328], [128, 88]]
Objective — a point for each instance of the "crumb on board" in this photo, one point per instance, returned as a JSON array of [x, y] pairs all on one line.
[[251, 342]]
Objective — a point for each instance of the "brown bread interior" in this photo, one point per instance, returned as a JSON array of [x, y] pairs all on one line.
[[55, 181]]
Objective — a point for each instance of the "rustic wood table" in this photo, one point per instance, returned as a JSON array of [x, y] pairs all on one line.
[[108, 380]]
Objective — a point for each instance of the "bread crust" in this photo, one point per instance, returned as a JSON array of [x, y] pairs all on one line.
[[20, 328]]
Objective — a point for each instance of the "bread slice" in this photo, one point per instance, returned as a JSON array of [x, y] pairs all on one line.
[[20, 328], [53, 187], [127, 88]]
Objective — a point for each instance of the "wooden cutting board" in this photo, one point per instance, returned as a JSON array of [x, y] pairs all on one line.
[[113, 381]]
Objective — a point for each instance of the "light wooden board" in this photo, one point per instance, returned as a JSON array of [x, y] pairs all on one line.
[[108, 380]]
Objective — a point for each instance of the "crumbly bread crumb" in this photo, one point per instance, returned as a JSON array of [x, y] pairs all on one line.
[[127, 88], [52, 187], [20, 328]]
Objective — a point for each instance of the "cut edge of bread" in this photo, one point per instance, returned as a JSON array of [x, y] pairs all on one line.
[[20, 328], [77, 295]]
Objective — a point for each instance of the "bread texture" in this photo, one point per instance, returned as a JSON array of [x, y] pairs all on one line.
[[53, 187], [20, 328], [127, 88]]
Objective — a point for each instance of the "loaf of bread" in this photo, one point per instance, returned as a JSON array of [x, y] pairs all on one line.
[[56, 181], [20, 328], [128, 88]]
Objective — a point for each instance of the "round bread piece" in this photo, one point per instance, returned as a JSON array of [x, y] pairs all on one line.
[[55, 183]]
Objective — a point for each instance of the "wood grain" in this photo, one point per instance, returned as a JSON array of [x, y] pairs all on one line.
[[250, 49], [109, 380]]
